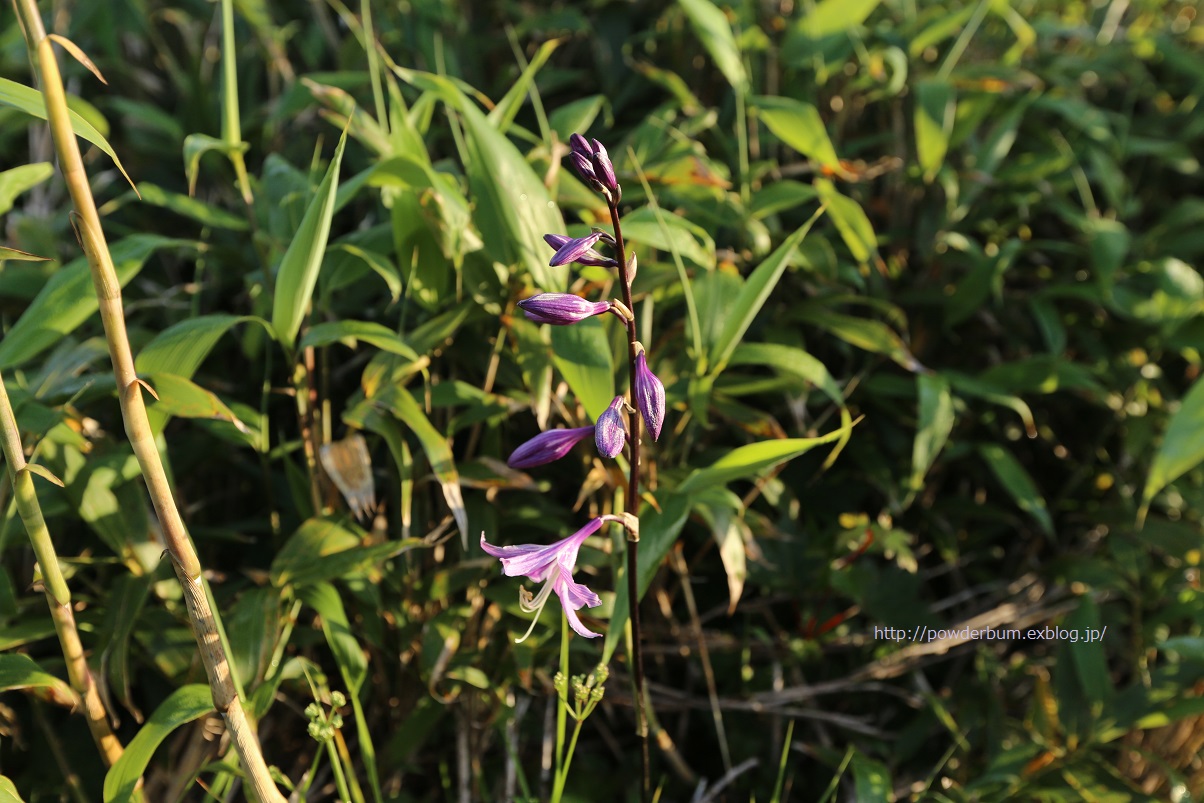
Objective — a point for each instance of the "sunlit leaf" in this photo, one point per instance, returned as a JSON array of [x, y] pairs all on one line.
[[182, 706]]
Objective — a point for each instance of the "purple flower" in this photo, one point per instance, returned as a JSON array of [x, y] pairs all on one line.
[[604, 171], [649, 396], [575, 248], [548, 446], [553, 566], [590, 257], [582, 154], [561, 309], [610, 432]]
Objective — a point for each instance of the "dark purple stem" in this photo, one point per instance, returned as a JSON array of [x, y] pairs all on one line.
[[633, 505]]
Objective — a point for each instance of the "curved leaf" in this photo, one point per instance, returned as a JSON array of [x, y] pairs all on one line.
[[68, 299], [19, 672], [1182, 447], [299, 268], [716, 34], [30, 101], [183, 705], [800, 126], [747, 461]]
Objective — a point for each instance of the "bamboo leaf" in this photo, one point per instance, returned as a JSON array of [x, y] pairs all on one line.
[[1017, 482], [322, 550], [298, 273], [349, 332], [182, 706], [935, 424], [850, 219], [582, 354], [8, 791], [799, 125], [752, 296], [864, 333], [19, 672], [834, 16], [181, 348], [1182, 447], [20, 179], [30, 101], [716, 34], [502, 115], [68, 299], [404, 407], [936, 107], [749, 460]]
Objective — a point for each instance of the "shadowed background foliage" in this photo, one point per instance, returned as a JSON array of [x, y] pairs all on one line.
[[1003, 288]]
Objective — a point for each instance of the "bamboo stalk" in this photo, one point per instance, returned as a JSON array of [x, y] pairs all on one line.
[[133, 409], [58, 596]]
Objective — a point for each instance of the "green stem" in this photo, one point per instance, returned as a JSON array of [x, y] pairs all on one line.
[[562, 769], [58, 595]]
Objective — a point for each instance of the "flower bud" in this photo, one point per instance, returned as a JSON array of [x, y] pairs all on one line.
[[547, 446], [582, 155], [649, 396], [575, 248], [604, 171], [610, 432], [561, 309], [590, 257]]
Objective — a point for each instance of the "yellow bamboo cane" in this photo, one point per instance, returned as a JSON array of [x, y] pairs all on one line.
[[58, 596], [133, 410]]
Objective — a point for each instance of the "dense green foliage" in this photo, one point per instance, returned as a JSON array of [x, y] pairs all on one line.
[[1002, 289]]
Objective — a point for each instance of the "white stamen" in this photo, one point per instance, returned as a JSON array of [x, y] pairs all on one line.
[[537, 602]]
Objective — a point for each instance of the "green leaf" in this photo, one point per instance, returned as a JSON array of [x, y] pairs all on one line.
[[871, 780], [690, 240], [502, 115], [749, 460], [1182, 447], [752, 296], [1018, 484], [19, 672], [935, 111], [935, 424], [723, 512], [716, 34], [201, 212], [799, 125], [864, 333], [19, 179], [850, 219], [834, 16], [8, 791], [68, 299], [513, 208], [298, 271], [322, 550], [406, 410], [182, 397], [182, 706], [17, 255], [30, 101], [182, 347], [348, 332], [582, 354], [196, 146], [658, 532], [575, 116]]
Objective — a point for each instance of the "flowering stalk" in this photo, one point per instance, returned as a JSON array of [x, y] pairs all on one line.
[[644, 397]]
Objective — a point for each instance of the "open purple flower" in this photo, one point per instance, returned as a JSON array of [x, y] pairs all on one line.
[[649, 396], [553, 566], [610, 433], [561, 309], [590, 257], [575, 248], [548, 446]]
